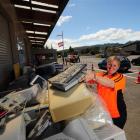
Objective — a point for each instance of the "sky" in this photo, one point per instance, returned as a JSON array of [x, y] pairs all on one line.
[[91, 22]]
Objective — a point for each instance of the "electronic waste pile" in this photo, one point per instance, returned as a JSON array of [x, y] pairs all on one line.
[[62, 108]]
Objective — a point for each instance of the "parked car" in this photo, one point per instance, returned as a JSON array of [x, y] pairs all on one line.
[[124, 66], [72, 58], [136, 61]]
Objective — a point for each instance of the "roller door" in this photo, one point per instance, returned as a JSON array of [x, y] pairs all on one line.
[[5, 53]]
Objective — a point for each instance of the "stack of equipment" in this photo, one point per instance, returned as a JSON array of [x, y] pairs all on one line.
[[70, 77]]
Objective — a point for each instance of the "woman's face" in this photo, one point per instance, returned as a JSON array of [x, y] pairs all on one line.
[[112, 67]]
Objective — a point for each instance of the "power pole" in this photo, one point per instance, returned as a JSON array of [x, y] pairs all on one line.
[[62, 45]]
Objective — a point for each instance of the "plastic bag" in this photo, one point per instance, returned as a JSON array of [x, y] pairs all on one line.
[[97, 115], [42, 97]]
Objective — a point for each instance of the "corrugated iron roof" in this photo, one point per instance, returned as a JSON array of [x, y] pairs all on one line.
[[39, 17]]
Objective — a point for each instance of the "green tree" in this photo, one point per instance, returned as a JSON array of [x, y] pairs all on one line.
[[87, 50], [71, 50], [95, 50]]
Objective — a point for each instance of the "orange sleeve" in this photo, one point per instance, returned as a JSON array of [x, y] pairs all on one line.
[[120, 82]]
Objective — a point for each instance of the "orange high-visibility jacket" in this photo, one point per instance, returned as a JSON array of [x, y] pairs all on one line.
[[109, 95]]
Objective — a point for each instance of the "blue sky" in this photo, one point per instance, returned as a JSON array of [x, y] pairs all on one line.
[[90, 22]]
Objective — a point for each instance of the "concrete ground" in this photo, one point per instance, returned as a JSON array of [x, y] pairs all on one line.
[[132, 97]]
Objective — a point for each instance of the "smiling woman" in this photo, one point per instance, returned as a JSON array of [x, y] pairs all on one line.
[[125, 64], [111, 86], [113, 64]]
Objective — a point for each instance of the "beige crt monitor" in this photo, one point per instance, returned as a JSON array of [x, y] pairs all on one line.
[[65, 105]]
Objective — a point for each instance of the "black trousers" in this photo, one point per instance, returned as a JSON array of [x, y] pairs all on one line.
[[120, 122]]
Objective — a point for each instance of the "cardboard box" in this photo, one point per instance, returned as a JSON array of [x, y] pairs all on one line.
[[65, 105]]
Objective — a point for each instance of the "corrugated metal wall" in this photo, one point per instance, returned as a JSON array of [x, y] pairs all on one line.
[[5, 53]]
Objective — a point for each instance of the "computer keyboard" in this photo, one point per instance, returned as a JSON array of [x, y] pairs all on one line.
[[70, 77]]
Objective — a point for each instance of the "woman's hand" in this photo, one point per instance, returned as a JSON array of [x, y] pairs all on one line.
[[90, 79], [90, 76]]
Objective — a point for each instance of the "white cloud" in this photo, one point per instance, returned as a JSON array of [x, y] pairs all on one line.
[[63, 19], [72, 5], [111, 35]]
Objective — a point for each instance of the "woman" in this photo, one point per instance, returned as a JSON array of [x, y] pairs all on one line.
[[111, 86]]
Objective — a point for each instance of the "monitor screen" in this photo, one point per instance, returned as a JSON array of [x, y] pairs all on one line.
[[39, 80]]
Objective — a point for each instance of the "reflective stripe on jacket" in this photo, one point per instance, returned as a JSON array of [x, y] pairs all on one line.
[[109, 95]]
